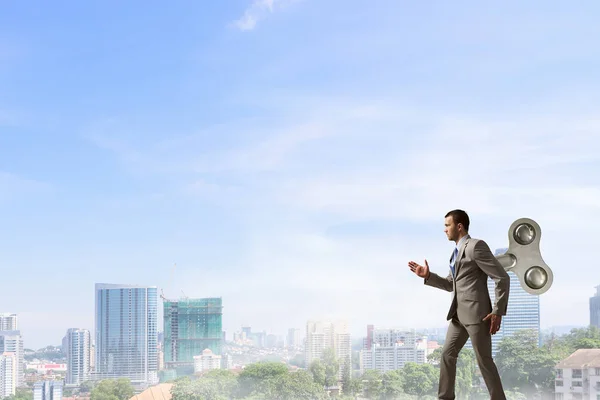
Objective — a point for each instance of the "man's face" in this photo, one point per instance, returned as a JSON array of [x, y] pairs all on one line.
[[450, 228]]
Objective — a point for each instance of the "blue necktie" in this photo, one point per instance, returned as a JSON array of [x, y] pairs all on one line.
[[453, 262]]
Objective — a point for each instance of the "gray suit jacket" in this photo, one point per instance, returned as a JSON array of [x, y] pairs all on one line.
[[471, 300]]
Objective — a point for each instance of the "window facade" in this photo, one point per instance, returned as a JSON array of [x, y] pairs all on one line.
[[126, 333]]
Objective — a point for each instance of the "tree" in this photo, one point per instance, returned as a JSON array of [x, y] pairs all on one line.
[[346, 378], [583, 338], [393, 384], [332, 367], [21, 394], [110, 389], [291, 386], [372, 381], [201, 389], [222, 380], [355, 360], [254, 375], [420, 379], [86, 387], [317, 369], [435, 357], [524, 367], [214, 385], [355, 387], [466, 366], [514, 395], [182, 389]]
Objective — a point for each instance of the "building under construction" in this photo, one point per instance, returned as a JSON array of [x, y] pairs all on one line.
[[191, 326]]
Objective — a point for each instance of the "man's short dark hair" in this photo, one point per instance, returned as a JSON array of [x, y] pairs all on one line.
[[459, 217]]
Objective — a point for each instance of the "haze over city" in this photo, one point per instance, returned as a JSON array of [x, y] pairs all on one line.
[[290, 156]]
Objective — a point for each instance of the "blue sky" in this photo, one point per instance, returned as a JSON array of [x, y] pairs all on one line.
[[290, 156]]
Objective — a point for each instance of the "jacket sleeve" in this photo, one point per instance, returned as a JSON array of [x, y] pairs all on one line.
[[491, 266], [441, 283]]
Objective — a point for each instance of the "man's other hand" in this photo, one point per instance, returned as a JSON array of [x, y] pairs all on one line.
[[495, 324]]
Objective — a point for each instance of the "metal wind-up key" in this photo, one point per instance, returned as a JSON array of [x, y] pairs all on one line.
[[523, 256]]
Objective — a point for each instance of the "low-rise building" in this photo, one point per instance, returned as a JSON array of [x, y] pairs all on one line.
[[578, 376], [207, 361]]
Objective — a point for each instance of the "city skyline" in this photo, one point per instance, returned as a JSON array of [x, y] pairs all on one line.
[[356, 329], [291, 171]]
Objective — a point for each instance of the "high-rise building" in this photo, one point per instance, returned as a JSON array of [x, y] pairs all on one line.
[[8, 374], [271, 341], [48, 390], [294, 338], [247, 330], [126, 333], [389, 349], [259, 339], [64, 345], [78, 347], [321, 335], [8, 322], [190, 327], [523, 311], [595, 309], [12, 342]]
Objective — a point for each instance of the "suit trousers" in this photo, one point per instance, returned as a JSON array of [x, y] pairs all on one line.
[[481, 339]]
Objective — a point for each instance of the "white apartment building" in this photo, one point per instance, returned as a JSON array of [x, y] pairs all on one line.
[[206, 361], [8, 322], [578, 376], [79, 348], [12, 342], [321, 335], [390, 349], [8, 374]]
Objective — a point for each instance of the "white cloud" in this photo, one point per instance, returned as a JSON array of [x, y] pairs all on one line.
[[339, 163], [498, 172], [258, 10]]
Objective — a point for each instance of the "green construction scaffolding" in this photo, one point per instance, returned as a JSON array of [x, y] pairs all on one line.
[[191, 326]]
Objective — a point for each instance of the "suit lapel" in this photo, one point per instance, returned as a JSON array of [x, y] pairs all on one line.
[[461, 253]]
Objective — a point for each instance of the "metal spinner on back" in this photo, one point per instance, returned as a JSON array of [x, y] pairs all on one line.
[[523, 256]]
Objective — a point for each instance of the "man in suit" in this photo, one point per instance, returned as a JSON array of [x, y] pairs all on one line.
[[471, 313]]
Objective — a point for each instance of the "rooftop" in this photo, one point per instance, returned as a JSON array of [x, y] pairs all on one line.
[[582, 358], [158, 392], [100, 286]]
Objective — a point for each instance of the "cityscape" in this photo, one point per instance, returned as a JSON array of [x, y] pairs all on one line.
[[130, 342], [261, 200]]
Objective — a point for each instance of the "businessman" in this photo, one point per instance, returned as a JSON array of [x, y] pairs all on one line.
[[471, 313]]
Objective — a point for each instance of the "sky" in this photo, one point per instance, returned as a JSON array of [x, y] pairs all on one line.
[[290, 156]]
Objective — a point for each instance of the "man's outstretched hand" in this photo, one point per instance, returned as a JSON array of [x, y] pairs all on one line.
[[495, 324], [419, 270]]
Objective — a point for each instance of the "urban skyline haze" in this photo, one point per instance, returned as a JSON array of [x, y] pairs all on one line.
[[290, 156]]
